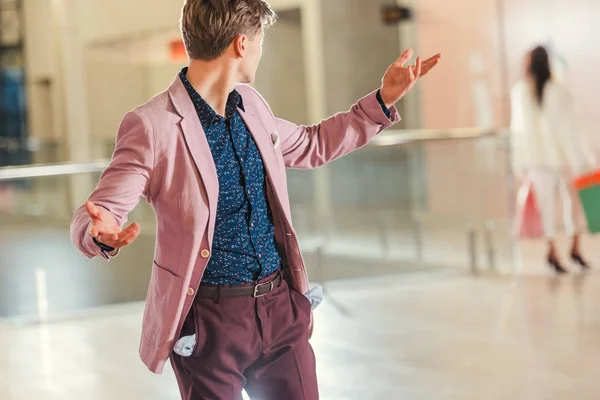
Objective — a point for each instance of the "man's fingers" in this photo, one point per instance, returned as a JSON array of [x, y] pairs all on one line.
[[98, 230], [108, 238], [418, 68], [430, 64], [128, 240], [134, 227], [119, 239], [404, 57], [421, 68], [92, 210], [94, 231], [433, 59], [128, 235]]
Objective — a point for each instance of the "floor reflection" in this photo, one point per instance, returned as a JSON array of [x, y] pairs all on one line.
[[43, 276], [427, 336], [40, 271]]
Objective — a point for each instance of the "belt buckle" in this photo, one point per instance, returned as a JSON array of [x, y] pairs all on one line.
[[257, 287]]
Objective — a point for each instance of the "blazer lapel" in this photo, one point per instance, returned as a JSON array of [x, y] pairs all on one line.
[[263, 141], [202, 156], [197, 144]]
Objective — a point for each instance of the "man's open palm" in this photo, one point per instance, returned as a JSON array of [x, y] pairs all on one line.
[[399, 79], [105, 228]]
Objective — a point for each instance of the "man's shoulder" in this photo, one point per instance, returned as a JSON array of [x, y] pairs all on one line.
[[247, 90], [157, 111], [159, 103], [252, 98]]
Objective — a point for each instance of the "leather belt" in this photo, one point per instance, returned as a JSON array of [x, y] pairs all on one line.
[[246, 290]]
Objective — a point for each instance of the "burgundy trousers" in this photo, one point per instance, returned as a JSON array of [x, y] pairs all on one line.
[[258, 344]]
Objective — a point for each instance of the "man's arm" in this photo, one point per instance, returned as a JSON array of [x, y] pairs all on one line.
[[312, 146], [307, 147], [120, 188]]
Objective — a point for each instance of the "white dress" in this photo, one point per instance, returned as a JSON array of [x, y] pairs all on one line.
[[548, 149]]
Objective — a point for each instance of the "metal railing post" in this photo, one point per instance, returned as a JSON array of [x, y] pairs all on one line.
[[489, 230], [472, 249], [418, 236], [384, 224]]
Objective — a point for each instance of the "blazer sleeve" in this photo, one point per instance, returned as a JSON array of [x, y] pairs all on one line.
[[307, 147], [122, 184]]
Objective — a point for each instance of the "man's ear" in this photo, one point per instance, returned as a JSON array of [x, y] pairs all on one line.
[[240, 44]]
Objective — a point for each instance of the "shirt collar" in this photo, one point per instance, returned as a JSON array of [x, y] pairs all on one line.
[[205, 111]]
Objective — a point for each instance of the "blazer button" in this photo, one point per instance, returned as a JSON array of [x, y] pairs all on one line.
[[190, 291], [205, 253]]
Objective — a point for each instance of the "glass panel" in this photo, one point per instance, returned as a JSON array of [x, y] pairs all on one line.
[[430, 204], [466, 215], [42, 275]]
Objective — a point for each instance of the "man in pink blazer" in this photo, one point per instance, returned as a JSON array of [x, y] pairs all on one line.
[[226, 301]]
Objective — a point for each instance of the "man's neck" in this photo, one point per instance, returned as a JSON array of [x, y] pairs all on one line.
[[214, 81]]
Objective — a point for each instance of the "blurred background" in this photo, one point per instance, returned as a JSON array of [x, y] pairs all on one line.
[[428, 294]]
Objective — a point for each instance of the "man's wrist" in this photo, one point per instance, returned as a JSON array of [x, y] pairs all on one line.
[[104, 247], [384, 107], [385, 99]]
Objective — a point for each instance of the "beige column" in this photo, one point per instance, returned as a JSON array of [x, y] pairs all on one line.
[[314, 64], [70, 97], [410, 105], [39, 55]]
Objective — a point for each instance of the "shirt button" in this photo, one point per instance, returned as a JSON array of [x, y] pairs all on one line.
[[205, 253], [248, 191], [259, 256], [251, 224], [190, 291], [216, 119], [241, 159]]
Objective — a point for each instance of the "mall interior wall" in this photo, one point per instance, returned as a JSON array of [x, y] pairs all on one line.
[[78, 95]]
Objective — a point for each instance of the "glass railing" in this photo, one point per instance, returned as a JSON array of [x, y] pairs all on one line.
[[416, 198], [411, 200], [52, 192]]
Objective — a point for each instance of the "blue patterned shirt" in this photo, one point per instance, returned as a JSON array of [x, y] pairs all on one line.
[[244, 248]]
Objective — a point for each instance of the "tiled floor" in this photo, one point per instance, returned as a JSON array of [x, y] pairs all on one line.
[[419, 336], [384, 332]]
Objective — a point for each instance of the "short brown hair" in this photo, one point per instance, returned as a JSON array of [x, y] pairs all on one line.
[[209, 26]]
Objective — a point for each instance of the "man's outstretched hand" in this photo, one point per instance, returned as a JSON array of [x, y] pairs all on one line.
[[105, 229], [399, 79]]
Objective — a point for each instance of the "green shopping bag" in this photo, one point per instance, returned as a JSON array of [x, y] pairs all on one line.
[[588, 187]]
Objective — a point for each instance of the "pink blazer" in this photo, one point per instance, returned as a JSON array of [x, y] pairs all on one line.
[[162, 154]]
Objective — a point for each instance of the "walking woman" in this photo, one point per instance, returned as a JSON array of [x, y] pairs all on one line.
[[549, 151]]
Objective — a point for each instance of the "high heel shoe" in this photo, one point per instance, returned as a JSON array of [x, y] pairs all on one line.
[[576, 257], [555, 265]]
